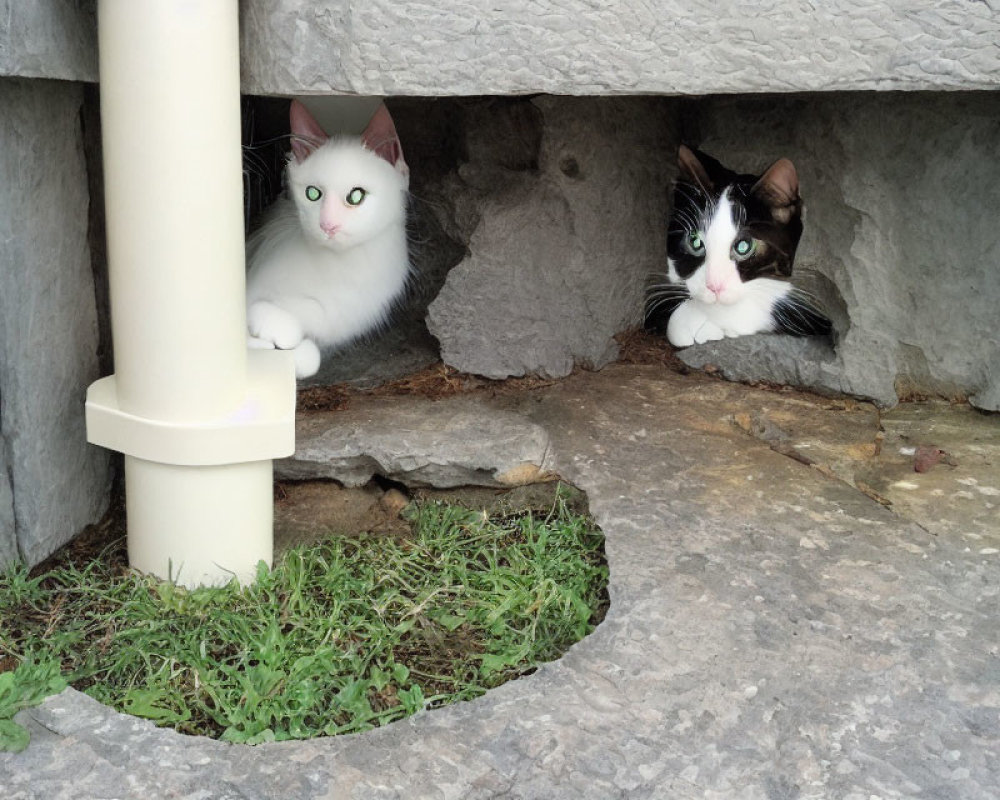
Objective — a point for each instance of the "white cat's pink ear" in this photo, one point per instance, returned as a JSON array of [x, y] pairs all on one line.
[[381, 138], [691, 169], [307, 134]]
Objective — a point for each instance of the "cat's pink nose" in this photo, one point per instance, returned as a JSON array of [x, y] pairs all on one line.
[[715, 287], [330, 228]]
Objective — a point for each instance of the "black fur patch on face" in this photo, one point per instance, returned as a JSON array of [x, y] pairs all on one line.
[[766, 208]]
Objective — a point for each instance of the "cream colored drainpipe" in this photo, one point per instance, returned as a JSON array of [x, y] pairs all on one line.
[[198, 416]]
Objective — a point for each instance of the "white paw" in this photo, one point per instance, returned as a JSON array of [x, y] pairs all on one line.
[[267, 322], [253, 343], [689, 325], [708, 332], [306, 359], [681, 325]]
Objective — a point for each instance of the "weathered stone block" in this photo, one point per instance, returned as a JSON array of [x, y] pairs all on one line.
[[576, 47], [49, 39], [447, 443], [48, 321], [671, 47], [897, 190], [563, 204]]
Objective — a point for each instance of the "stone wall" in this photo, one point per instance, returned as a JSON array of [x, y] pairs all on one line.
[[570, 47], [49, 39], [562, 204], [52, 483]]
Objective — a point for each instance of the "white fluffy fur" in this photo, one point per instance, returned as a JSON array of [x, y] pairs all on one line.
[[720, 303], [307, 288]]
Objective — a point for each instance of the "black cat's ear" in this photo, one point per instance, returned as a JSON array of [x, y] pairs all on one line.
[[778, 187], [692, 170]]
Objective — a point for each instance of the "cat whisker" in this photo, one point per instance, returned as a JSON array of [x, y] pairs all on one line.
[[798, 314], [655, 302], [655, 299], [691, 191], [261, 144], [309, 141], [689, 220], [667, 292], [659, 281]]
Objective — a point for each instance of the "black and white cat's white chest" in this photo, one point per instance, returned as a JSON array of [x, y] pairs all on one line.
[[731, 244]]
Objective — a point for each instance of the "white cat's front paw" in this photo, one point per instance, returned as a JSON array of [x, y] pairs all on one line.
[[253, 343], [688, 325], [267, 322], [307, 358], [708, 332]]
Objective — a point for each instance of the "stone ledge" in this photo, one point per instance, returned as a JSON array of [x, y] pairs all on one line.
[[582, 48], [568, 47]]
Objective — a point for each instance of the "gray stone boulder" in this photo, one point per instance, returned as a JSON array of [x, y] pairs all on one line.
[[562, 202], [53, 483]]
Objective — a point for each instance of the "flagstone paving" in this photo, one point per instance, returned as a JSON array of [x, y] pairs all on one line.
[[796, 612]]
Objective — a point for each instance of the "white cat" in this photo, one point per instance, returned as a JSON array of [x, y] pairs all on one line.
[[331, 259]]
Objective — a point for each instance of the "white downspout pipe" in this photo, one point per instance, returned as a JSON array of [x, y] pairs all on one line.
[[198, 417]]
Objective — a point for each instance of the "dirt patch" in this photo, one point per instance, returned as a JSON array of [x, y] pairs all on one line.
[[309, 511], [439, 380]]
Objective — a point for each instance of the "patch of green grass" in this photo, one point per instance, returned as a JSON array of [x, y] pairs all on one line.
[[338, 637], [27, 685]]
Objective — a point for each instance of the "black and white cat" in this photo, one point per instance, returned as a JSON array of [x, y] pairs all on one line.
[[332, 258], [731, 244]]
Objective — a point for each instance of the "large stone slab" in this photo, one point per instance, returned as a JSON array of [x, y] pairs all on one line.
[[443, 443], [563, 204], [48, 320], [631, 47], [894, 187], [575, 47], [773, 633]]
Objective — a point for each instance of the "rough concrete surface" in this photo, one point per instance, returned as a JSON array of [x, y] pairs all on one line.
[[566, 47], [49, 39], [48, 321], [774, 632], [631, 47], [563, 205]]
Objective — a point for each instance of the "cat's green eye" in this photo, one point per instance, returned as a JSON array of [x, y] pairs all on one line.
[[355, 196], [695, 242], [313, 193], [744, 247]]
